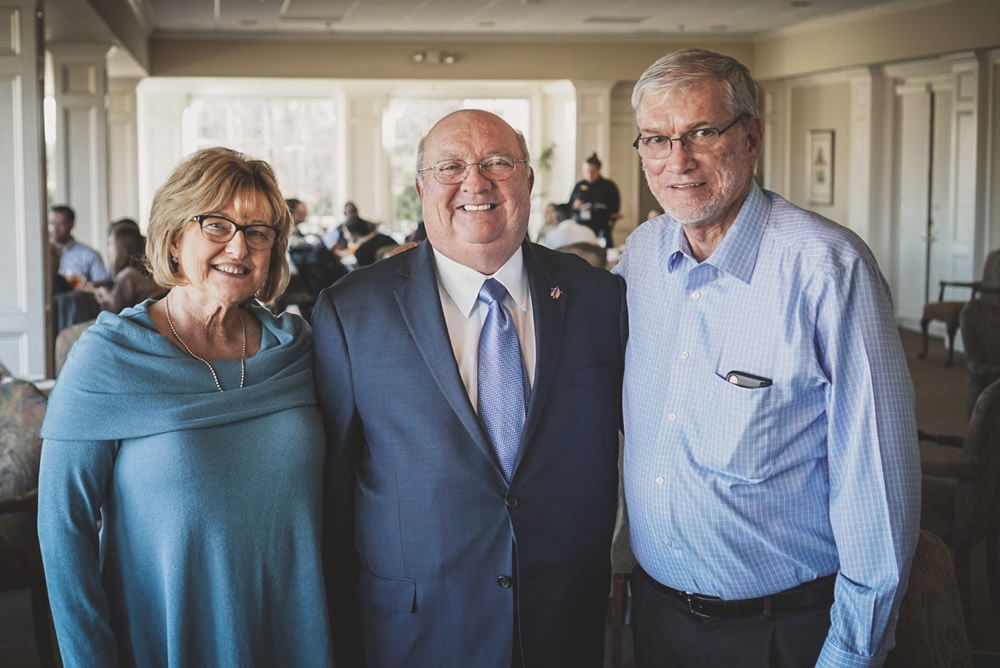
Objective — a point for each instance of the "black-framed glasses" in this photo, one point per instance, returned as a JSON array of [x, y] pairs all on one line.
[[495, 168], [219, 229], [699, 140]]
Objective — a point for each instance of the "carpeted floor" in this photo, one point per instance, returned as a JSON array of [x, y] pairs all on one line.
[[941, 408]]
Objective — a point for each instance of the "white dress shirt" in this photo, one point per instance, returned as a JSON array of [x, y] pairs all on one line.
[[464, 314]]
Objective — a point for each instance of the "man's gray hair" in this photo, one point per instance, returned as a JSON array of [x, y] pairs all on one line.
[[521, 141], [689, 66]]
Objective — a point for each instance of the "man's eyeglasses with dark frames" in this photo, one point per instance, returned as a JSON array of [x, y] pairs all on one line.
[[699, 140], [219, 229], [495, 168]]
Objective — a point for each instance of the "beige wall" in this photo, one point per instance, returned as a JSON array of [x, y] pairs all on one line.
[[820, 107], [946, 27]]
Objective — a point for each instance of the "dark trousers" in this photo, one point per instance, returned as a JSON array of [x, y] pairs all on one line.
[[667, 635]]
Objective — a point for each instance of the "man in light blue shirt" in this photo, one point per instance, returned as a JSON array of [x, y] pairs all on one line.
[[771, 462], [75, 257]]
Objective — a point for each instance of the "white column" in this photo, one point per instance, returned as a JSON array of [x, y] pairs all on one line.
[[162, 109], [80, 81], [364, 175], [593, 122], [24, 263], [123, 151]]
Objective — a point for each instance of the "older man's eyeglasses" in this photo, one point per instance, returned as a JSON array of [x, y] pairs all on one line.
[[495, 168], [220, 229], [699, 140]]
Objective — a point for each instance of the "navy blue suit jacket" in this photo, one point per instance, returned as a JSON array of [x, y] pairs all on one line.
[[424, 534]]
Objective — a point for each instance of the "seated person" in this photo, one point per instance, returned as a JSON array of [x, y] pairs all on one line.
[[567, 231], [132, 283], [79, 263], [336, 238], [367, 239]]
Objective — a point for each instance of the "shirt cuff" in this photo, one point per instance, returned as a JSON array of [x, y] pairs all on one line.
[[835, 657]]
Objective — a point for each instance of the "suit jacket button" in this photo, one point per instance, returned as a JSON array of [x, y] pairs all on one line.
[[504, 582], [513, 502]]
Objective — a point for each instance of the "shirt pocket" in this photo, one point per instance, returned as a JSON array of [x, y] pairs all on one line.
[[732, 436]]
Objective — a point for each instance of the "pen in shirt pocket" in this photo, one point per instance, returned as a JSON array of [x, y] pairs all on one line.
[[747, 380]]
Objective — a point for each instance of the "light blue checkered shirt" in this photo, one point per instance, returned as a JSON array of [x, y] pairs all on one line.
[[737, 492]]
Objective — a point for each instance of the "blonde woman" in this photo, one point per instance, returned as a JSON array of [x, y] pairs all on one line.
[[189, 427]]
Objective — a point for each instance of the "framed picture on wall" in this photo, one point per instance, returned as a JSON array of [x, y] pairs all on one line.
[[820, 177]]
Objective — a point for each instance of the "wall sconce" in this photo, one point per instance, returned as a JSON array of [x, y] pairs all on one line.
[[433, 57]]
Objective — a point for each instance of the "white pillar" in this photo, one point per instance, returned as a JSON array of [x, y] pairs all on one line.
[[80, 81], [123, 152], [364, 176], [24, 263], [593, 122]]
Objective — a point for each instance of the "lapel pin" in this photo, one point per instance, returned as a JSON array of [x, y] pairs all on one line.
[[555, 292]]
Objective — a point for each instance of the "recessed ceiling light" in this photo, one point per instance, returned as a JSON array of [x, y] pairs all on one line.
[[487, 24], [718, 28]]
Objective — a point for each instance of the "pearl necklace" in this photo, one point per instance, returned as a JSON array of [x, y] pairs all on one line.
[[215, 377]]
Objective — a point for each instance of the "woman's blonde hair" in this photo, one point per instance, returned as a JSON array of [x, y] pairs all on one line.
[[205, 182]]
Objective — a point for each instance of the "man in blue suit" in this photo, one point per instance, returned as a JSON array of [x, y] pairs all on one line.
[[471, 393]]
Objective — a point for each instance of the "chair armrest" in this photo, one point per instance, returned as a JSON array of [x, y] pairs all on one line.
[[973, 285], [27, 501], [941, 439], [949, 469]]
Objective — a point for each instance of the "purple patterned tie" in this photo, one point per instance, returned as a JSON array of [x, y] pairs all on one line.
[[502, 380]]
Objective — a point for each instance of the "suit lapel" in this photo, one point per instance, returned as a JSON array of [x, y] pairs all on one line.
[[548, 302], [420, 304]]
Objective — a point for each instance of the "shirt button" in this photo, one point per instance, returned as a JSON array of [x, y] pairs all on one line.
[[684, 355], [659, 480], [667, 542], [672, 417], [503, 582], [695, 295]]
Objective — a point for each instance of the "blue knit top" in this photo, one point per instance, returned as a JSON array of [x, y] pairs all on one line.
[[208, 550]]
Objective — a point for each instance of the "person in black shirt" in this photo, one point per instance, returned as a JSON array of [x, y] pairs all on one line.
[[595, 200]]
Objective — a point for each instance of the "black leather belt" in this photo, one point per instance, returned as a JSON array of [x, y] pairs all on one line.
[[805, 595]]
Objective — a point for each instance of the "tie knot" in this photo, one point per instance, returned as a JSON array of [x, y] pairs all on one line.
[[492, 291]]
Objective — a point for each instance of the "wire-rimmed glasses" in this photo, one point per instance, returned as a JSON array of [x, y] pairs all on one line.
[[495, 168], [699, 140]]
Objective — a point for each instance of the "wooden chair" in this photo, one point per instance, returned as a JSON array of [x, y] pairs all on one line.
[[931, 632], [22, 408], [949, 312], [961, 498]]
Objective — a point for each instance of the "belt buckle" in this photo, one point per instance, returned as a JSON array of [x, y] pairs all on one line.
[[689, 597]]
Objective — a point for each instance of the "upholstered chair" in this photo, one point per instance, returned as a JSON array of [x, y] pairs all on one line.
[[22, 408]]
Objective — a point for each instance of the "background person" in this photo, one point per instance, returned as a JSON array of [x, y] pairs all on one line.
[[366, 240], [132, 283], [771, 467], [566, 230], [76, 259], [472, 482], [595, 200], [189, 427]]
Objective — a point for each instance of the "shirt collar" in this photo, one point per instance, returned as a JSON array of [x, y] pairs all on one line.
[[736, 254], [463, 283]]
